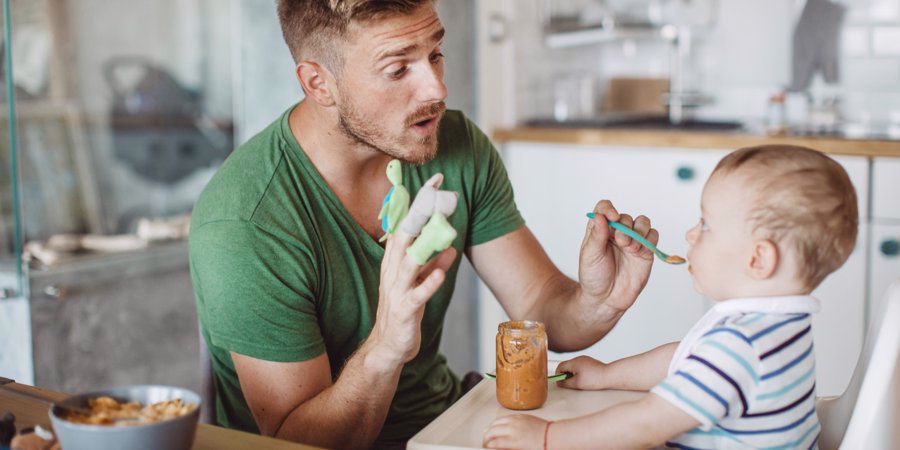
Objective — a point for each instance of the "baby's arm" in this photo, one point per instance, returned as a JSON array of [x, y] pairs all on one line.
[[644, 423], [635, 373]]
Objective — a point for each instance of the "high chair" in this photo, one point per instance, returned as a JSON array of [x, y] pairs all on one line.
[[866, 415]]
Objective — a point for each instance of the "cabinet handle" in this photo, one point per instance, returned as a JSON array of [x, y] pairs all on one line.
[[890, 247], [685, 173]]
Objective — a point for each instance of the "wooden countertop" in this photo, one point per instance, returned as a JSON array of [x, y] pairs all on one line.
[[30, 412], [692, 139]]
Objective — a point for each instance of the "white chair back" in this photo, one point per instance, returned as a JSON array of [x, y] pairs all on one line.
[[863, 417]]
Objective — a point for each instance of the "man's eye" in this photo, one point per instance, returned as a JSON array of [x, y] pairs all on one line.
[[437, 57], [399, 72]]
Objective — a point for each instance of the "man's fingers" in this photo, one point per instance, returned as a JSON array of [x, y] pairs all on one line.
[[653, 237], [442, 261], [394, 256], [642, 227], [435, 180], [622, 239], [596, 229], [606, 209], [423, 292]]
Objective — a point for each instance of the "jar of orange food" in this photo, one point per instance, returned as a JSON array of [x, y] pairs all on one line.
[[521, 364]]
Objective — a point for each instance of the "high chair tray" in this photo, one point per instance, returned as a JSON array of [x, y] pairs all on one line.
[[463, 425]]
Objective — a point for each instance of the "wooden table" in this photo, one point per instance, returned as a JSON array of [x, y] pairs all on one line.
[[463, 425], [30, 412]]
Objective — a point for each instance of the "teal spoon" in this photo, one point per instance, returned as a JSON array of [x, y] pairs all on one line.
[[673, 259], [550, 378]]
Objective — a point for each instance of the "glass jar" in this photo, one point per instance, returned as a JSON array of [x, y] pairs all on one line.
[[521, 364]]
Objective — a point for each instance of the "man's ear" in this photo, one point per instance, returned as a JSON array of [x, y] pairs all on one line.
[[764, 260], [317, 82]]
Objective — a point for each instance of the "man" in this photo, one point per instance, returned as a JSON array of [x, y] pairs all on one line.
[[318, 334]]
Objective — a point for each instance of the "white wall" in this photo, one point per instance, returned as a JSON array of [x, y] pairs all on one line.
[[744, 58]]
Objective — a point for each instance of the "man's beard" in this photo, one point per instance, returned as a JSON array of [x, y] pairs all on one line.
[[409, 149]]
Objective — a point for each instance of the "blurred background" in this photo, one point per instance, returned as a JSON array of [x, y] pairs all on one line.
[[116, 114]]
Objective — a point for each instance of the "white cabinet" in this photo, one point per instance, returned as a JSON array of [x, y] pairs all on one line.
[[885, 265], [886, 189], [555, 185], [884, 251]]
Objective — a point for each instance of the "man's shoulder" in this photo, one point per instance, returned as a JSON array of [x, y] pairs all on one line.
[[242, 180]]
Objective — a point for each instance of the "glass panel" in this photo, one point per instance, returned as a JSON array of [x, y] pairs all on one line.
[[124, 113], [10, 243], [124, 110]]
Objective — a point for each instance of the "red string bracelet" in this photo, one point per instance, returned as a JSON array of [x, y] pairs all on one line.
[[546, 432]]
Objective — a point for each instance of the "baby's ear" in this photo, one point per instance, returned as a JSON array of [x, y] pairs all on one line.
[[764, 260]]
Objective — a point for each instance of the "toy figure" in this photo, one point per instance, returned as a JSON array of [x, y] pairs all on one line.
[[396, 203], [431, 205]]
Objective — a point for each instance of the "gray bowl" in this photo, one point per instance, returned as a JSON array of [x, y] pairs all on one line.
[[173, 434]]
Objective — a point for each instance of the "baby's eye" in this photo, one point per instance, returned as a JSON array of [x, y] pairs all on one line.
[[703, 225]]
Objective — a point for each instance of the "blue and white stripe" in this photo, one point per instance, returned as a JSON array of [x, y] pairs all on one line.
[[748, 377]]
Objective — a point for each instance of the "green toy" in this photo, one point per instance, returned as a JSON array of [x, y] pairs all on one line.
[[426, 218], [436, 236], [431, 205], [396, 203]]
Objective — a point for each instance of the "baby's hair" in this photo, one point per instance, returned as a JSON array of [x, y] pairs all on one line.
[[803, 199]]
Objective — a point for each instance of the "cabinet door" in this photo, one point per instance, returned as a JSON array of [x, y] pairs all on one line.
[[555, 185], [885, 265], [886, 189]]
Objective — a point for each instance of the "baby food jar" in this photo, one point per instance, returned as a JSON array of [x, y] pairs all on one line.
[[521, 364]]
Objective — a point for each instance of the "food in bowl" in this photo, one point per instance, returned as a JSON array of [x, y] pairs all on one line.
[[106, 410]]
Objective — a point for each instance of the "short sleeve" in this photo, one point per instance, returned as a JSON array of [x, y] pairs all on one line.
[[494, 211], [716, 379], [255, 292]]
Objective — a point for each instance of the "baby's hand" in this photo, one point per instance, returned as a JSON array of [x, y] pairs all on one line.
[[588, 374], [518, 431]]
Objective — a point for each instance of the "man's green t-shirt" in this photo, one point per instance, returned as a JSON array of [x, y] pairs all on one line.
[[281, 271]]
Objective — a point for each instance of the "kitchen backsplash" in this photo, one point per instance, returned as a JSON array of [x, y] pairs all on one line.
[[741, 60]]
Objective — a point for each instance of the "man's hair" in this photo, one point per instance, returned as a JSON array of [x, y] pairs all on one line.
[[804, 200], [311, 28]]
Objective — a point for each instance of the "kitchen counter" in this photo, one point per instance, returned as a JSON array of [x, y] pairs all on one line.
[[30, 412], [463, 425], [718, 140]]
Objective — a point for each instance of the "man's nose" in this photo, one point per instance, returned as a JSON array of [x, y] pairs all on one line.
[[433, 88]]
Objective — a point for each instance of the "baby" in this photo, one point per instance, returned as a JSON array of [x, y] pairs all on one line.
[[775, 221]]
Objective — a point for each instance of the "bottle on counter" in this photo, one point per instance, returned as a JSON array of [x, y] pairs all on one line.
[[776, 121], [521, 364]]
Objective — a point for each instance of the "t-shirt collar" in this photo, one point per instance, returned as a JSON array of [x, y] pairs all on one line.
[[786, 304]]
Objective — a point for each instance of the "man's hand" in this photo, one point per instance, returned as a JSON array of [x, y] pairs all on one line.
[[613, 268], [518, 431], [403, 293], [587, 373]]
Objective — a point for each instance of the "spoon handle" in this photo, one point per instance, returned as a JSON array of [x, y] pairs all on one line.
[[631, 233]]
